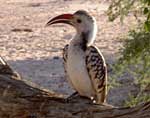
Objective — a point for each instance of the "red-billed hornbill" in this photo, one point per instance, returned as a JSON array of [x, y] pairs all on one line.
[[84, 64]]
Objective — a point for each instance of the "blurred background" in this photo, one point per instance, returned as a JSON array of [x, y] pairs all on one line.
[[123, 37]]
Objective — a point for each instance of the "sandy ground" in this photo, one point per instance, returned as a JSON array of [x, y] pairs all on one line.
[[35, 51]]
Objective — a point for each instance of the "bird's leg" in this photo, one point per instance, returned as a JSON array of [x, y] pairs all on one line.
[[71, 96], [75, 94]]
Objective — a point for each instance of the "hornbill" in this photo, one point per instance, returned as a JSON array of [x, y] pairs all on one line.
[[84, 63]]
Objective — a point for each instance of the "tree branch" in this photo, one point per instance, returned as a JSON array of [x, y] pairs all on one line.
[[22, 99]]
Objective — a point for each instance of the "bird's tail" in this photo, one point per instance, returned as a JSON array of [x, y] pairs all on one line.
[[101, 96]]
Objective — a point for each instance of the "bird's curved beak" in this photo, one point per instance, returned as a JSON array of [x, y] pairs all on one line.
[[64, 18]]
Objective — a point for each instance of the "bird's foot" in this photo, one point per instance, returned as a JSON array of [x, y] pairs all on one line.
[[73, 98], [68, 99]]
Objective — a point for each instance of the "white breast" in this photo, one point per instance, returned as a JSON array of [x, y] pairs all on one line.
[[77, 72]]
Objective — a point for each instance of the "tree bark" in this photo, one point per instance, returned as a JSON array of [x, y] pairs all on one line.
[[22, 99]]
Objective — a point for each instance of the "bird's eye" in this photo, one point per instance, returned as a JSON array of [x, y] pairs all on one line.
[[79, 21]]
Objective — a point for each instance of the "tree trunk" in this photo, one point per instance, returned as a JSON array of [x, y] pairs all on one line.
[[21, 99]]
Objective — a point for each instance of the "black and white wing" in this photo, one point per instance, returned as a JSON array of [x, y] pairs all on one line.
[[98, 72], [65, 58], [65, 53]]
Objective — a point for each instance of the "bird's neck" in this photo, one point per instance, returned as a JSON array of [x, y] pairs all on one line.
[[83, 39]]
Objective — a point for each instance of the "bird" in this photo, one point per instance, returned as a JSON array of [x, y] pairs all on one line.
[[84, 63]]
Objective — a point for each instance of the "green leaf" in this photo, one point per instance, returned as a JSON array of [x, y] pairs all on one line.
[[146, 10], [146, 2], [147, 26]]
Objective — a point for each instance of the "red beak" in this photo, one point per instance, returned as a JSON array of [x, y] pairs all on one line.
[[64, 18]]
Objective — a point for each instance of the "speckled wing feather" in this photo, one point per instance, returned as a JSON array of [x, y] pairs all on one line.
[[98, 73], [65, 57], [65, 53]]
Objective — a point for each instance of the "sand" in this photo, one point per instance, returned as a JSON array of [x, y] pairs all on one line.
[[35, 51]]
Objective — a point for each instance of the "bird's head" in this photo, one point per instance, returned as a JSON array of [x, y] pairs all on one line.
[[80, 20]]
